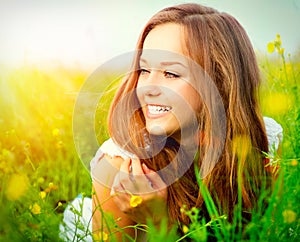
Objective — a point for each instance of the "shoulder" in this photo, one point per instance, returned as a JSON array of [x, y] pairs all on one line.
[[111, 148], [274, 132], [272, 125], [107, 161]]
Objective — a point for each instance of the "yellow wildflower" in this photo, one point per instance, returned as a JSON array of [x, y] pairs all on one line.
[[43, 194], [35, 209], [278, 36], [101, 236], [281, 51], [278, 40], [183, 209], [51, 187], [294, 163], [185, 229], [289, 216], [55, 132], [17, 186], [271, 47], [135, 201]]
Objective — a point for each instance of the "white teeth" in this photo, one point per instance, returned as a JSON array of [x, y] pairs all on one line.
[[153, 109]]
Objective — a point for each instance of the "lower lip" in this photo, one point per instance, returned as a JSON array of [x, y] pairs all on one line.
[[154, 116]]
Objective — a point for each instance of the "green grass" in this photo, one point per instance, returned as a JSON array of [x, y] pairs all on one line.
[[40, 171]]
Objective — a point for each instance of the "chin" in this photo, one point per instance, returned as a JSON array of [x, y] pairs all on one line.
[[156, 130]]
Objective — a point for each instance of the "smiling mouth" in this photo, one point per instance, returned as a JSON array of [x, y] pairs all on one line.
[[157, 109]]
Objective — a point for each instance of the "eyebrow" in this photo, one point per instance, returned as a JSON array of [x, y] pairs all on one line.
[[166, 63]]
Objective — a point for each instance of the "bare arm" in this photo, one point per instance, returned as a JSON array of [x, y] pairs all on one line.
[[104, 174], [126, 178]]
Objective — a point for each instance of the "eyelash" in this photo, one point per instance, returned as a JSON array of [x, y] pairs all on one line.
[[143, 71], [167, 74], [171, 75]]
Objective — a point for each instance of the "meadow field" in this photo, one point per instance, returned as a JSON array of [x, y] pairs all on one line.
[[40, 171]]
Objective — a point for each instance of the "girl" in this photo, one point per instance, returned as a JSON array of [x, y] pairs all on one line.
[[189, 107]]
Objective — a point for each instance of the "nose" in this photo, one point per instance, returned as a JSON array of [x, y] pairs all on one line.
[[152, 90], [150, 85]]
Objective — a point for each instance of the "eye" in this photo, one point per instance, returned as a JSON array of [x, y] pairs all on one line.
[[144, 71], [172, 75]]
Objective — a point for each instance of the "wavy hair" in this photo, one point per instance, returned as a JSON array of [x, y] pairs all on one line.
[[219, 44]]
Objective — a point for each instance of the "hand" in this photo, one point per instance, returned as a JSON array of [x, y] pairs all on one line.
[[140, 192]]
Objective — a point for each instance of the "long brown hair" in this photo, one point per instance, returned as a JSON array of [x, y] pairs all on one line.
[[218, 43]]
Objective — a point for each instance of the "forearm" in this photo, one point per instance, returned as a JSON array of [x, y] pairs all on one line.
[[107, 218]]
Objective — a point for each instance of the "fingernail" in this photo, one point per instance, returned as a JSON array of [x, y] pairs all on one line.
[[112, 192], [117, 157], [145, 166]]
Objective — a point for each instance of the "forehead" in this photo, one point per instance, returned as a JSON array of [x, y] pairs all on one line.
[[166, 37]]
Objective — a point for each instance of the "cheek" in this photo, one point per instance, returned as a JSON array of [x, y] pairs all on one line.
[[139, 93], [195, 101], [191, 97], [141, 88]]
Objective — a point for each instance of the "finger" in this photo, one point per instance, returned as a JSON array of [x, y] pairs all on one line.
[[124, 171], [146, 169], [124, 168], [112, 191], [136, 167], [154, 178], [114, 185], [139, 175], [122, 200]]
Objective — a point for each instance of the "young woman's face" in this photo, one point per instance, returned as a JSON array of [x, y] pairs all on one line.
[[168, 100]]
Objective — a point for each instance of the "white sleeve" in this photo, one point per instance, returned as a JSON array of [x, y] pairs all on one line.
[[274, 133], [112, 149]]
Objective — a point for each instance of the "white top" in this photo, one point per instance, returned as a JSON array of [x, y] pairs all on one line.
[[110, 148], [273, 129], [274, 134]]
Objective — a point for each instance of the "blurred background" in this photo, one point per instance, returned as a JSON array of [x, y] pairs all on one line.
[[87, 33], [48, 49]]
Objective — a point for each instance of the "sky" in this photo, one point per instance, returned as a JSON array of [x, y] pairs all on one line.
[[90, 32]]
